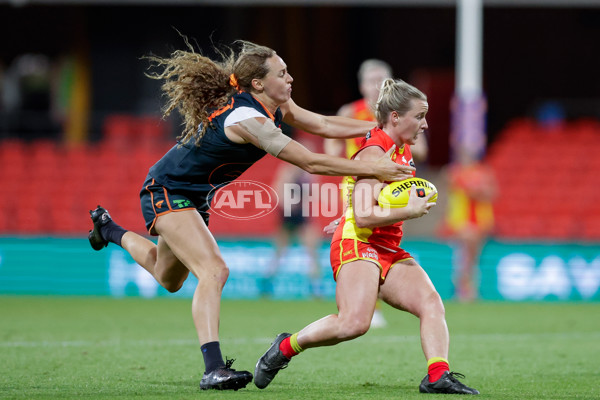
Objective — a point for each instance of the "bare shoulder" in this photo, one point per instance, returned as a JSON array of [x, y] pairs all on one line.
[[370, 153]]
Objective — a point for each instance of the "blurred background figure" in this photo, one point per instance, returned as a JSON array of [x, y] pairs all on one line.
[[371, 74], [295, 223], [469, 220], [27, 96]]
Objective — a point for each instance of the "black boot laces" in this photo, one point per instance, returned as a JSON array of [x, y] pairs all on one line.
[[454, 375], [229, 363]]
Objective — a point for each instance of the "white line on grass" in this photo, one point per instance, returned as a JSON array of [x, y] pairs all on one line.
[[368, 339]]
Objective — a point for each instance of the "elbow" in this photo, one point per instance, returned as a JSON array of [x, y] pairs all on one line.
[[309, 167], [324, 134], [362, 222], [313, 164]]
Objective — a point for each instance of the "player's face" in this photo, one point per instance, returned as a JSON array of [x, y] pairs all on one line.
[[413, 123], [277, 84]]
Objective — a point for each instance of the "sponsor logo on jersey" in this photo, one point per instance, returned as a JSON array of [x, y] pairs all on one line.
[[182, 203], [370, 253]]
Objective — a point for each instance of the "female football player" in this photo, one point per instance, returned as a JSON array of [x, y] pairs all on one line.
[[367, 259], [232, 111]]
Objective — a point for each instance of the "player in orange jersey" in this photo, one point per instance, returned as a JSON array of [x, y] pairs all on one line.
[[368, 262], [472, 189]]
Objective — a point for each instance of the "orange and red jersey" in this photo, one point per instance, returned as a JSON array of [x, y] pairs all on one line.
[[387, 236], [360, 110]]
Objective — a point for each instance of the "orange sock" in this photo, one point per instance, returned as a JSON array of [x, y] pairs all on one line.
[[436, 367]]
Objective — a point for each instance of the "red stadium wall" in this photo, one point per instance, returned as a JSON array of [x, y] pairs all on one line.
[[547, 179], [49, 188]]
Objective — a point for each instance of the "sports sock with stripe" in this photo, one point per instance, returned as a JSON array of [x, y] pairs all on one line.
[[290, 347], [436, 367]]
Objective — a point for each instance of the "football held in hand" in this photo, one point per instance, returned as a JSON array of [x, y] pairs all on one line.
[[396, 194]]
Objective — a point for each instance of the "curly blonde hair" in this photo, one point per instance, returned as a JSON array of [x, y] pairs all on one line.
[[196, 85]]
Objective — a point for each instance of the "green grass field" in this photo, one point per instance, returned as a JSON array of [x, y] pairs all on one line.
[[100, 348]]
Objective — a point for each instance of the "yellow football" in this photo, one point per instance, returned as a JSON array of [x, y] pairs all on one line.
[[396, 194]]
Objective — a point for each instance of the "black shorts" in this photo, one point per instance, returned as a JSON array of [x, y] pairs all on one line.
[[157, 200]]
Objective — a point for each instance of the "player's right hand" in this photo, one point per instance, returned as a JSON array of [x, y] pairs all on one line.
[[388, 170]]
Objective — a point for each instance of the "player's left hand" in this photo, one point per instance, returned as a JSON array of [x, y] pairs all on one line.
[[330, 229], [419, 206]]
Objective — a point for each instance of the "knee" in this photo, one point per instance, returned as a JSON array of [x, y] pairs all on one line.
[[354, 326], [223, 274], [213, 269], [221, 270], [172, 285], [433, 306]]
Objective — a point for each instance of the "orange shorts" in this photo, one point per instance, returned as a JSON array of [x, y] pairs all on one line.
[[348, 250]]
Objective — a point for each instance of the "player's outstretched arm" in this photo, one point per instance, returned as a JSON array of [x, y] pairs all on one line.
[[332, 126], [382, 168], [264, 134]]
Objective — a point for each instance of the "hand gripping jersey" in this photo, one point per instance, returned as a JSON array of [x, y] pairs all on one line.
[[197, 170], [386, 236]]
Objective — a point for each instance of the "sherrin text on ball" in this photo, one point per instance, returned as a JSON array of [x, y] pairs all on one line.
[[396, 194]]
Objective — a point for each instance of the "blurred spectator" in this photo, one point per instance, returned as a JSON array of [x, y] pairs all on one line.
[[3, 121], [371, 74], [2, 83], [27, 97], [472, 189], [294, 221]]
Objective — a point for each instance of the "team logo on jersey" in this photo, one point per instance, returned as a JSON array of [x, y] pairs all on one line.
[[243, 200]]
